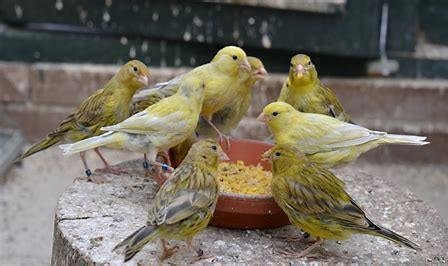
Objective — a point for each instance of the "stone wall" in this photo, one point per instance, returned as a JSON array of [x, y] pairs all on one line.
[[36, 97]]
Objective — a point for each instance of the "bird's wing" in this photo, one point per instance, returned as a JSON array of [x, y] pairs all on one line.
[[147, 122], [320, 194], [175, 201], [91, 110], [332, 103], [164, 89], [329, 134]]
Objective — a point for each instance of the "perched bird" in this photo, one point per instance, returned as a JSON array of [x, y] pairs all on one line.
[[315, 200], [324, 139], [184, 204], [222, 77], [107, 106], [304, 91], [229, 116], [157, 128]]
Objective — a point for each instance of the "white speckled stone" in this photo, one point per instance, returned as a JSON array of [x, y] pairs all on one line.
[[91, 219]]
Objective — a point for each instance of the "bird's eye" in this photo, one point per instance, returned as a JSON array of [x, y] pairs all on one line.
[[309, 63], [214, 147], [275, 113], [278, 154], [204, 157], [135, 69], [234, 57], [291, 65]]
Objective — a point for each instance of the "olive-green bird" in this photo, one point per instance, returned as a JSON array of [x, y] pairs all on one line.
[[315, 200], [184, 204], [107, 106], [306, 93], [229, 116]]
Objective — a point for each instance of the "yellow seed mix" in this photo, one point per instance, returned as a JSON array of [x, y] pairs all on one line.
[[244, 179]]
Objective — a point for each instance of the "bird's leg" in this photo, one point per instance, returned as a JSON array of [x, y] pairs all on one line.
[[107, 168], [145, 161], [163, 157], [222, 137], [303, 253], [161, 167], [167, 251], [86, 167], [90, 177]]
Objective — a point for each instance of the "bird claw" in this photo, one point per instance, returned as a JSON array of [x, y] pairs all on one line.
[[303, 253], [294, 254], [168, 252], [113, 170], [305, 237], [97, 179], [225, 139]]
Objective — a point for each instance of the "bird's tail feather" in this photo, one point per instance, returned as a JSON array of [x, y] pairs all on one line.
[[137, 240], [405, 139], [41, 145], [87, 144], [390, 235]]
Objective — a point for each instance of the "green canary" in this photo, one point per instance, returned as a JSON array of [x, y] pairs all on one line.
[[306, 93], [315, 200], [184, 204], [107, 106]]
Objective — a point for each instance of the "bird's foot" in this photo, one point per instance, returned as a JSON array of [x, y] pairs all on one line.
[[224, 139], [116, 170], [201, 256], [168, 252], [92, 178], [97, 179], [305, 237], [301, 254]]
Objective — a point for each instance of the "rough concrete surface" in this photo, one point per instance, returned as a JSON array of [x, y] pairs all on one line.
[[28, 196], [92, 218]]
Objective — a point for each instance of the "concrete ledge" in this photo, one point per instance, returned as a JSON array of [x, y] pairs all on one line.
[[90, 219]]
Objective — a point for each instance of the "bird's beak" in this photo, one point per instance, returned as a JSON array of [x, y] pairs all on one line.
[[143, 79], [265, 156], [261, 118], [261, 73], [245, 65], [223, 156], [300, 71]]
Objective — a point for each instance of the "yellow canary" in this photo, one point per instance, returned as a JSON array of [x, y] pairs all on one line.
[[158, 128], [315, 200], [229, 116], [324, 139], [184, 204], [304, 91], [107, 106], [222, 77]]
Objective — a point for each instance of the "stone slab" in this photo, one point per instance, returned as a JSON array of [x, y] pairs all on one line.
[[90, 219]]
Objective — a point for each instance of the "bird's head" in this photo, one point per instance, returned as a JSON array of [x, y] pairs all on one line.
[[258, 72], [283, 156], [135, 74], [232, 60], [208, 152], [277, 115], [301, 69]]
